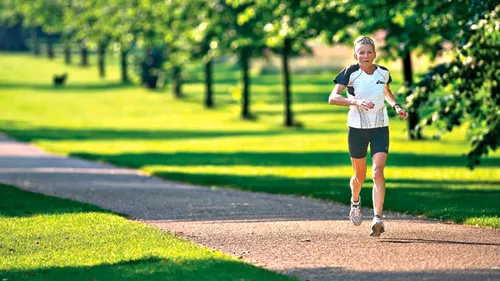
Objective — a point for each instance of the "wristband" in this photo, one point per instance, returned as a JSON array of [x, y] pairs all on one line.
[[394, 106]]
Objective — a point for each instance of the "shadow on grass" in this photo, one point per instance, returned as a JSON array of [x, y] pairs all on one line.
[[151, 269], [15, 202], [274, 95], [269, 80], [430, 198], [298, 79], [299, 97], [279, 112], [88, 88], [276, 159], [43, 133]]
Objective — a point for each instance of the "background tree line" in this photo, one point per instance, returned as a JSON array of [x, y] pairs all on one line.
[[174, 32]]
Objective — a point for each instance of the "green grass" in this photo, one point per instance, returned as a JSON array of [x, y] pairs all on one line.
[[181, 140], [47, 238]]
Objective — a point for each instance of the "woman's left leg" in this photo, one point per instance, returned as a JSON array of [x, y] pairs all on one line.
[[379, 147], [378, 193]]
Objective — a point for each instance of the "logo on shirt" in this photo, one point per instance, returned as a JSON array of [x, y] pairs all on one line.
[[380, 82]]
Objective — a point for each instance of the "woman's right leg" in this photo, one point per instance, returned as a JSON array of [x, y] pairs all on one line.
[[358, 146], [359, 166]]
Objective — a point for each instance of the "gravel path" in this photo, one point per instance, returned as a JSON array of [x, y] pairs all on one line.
[[309, 238]]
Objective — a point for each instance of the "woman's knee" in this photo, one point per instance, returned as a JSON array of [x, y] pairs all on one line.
[[360, 178], [378, 174]]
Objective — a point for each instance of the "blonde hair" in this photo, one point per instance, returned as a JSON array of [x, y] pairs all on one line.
[[364, 40]]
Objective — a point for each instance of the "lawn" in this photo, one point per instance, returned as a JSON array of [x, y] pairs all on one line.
[[180, 140], [47, 238]]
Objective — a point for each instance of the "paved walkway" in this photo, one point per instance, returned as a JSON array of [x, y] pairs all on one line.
[[312, 239]]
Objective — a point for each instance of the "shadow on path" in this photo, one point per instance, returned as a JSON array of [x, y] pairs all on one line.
[[341, 274], [409, 241]]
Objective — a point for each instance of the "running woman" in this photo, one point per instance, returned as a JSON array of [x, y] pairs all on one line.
[[367, 88]]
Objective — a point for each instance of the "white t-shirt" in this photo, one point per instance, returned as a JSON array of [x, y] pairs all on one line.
[[363, 86]]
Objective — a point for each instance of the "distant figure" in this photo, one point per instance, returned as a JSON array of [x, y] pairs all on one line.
[[60, 80]]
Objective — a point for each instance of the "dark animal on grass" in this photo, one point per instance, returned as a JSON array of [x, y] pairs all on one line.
[[60, 80]]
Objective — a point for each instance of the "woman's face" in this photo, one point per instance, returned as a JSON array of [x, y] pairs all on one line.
[[364, 54]]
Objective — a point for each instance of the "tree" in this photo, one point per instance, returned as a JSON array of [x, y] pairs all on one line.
[[51, 20], [288, 27], [204, 40], [470, 79], [286, 32], [37, 17], [124, 20], [176, 23], [244, 36], [90, 18], [77, 19]]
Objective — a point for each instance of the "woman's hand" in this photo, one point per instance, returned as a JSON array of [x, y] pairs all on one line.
[[365, 104], [401, 112]]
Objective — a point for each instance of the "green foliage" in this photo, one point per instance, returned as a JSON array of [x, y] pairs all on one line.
[[285, 20], [9, 13], [409, 26], [45, 13], [175, 24], [244, 27], [204, 29], [471, 79], [300, 21]]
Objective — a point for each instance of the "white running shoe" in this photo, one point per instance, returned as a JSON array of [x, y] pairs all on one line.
[[377, 227], [355, 214]]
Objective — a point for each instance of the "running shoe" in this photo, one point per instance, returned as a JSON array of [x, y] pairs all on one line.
[[355, 214], [377, 227]]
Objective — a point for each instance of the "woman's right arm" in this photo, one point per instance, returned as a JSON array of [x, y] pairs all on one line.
[[336, 99]]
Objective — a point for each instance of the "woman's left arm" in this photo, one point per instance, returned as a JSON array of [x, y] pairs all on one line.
[[389, 97]]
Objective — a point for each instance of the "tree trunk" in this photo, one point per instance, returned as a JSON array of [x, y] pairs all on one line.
[[245, 99], [34, 41], [413, 118], [287, 94], [67, 52], [124, 65], [209, 103], [102, 60], [84, 55], [50, 47], [177, 82]]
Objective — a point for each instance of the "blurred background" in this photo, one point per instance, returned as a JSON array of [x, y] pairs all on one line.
[[234, 93]]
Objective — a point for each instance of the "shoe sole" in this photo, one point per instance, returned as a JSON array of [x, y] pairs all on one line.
[[357, 223], [377, 229]]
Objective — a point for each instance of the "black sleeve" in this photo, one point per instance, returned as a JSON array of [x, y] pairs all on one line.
[[343, 77], [389, 79]]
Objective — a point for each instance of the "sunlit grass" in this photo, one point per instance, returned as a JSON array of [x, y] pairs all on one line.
[[181, 140]]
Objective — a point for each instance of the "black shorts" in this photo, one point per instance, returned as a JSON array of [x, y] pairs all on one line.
[[358, 140]]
